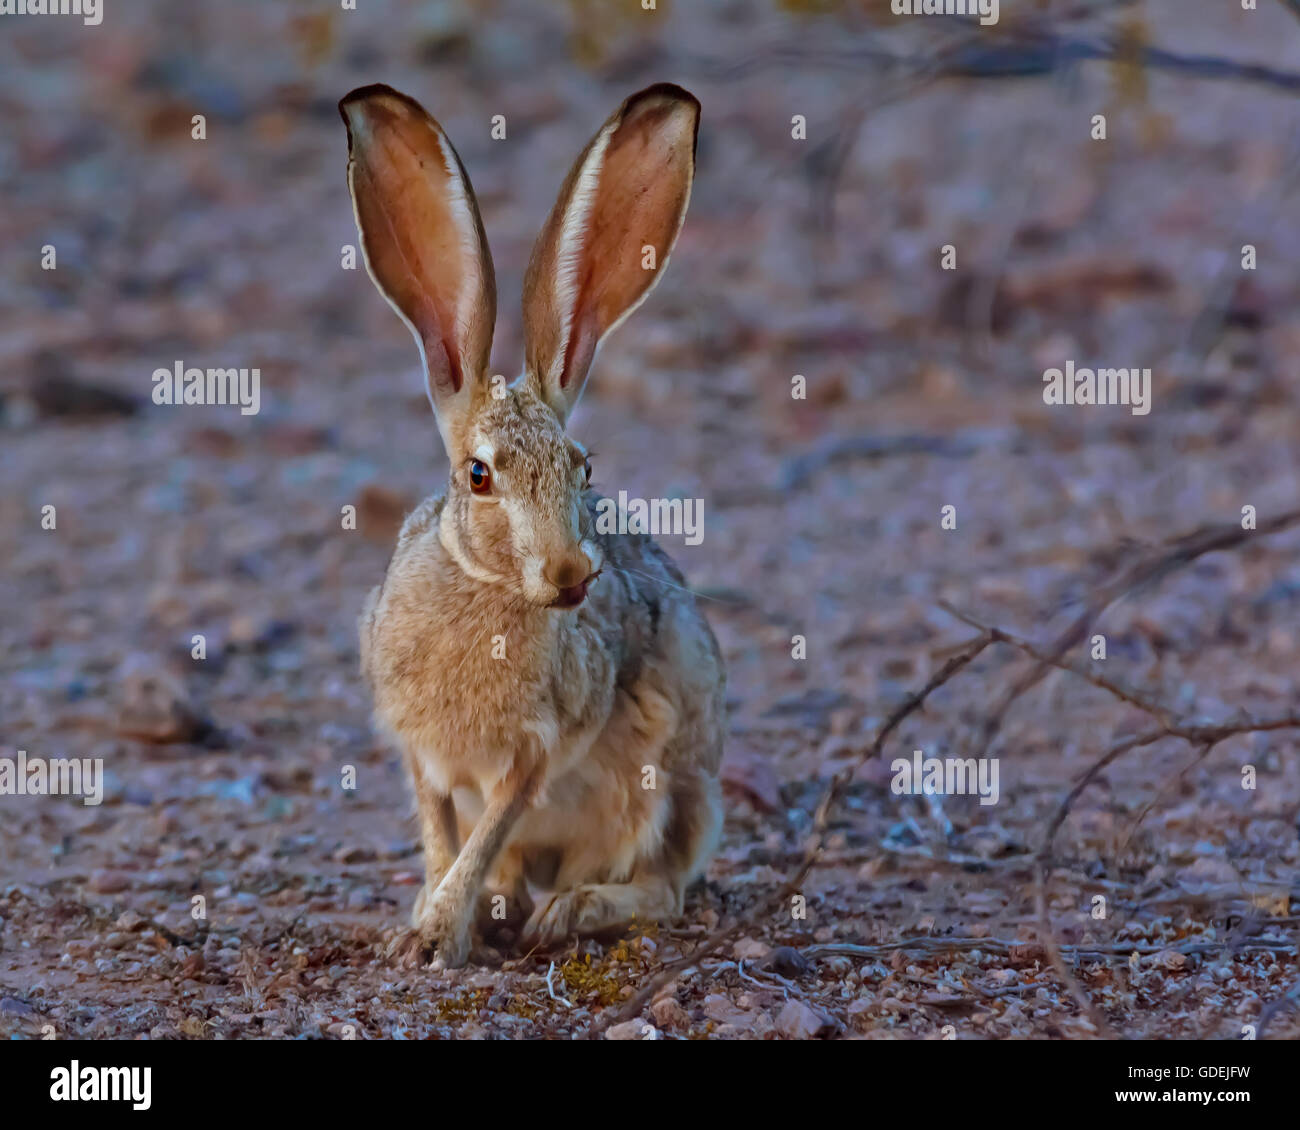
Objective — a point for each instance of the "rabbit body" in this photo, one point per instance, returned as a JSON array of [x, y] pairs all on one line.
[[557, 696], [617, 706]]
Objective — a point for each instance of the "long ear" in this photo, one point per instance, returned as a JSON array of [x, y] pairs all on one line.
[[423, 242], [608, 236]]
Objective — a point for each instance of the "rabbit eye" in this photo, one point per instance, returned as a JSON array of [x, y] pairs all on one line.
[[586, 470], [480, 478]]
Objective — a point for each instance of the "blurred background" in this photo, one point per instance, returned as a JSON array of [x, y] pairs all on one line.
[[817, 256]]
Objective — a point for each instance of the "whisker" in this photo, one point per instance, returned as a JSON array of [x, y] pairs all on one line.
[[680, 588]]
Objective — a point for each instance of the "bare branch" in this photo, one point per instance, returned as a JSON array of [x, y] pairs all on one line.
[[1198, 734], [1127, 694], [1032, 53], [1176, 554]]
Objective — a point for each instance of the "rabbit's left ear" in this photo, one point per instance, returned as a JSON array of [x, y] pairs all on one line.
[[423, 243], [608, 237]]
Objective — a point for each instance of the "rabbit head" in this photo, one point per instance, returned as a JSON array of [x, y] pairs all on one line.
[[515, 513]]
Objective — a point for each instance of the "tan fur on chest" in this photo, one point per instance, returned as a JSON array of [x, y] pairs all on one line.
[[473, 680]]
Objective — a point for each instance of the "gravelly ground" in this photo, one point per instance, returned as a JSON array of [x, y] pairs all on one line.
[[224, 775]]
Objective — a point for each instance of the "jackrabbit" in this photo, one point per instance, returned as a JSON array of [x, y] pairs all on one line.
[[561, 734]]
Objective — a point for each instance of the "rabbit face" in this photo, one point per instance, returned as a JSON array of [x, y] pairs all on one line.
[[516, 506]]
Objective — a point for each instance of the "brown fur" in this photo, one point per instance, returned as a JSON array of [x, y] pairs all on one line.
[[572, 749]]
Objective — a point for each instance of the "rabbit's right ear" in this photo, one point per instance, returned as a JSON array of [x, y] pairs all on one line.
[[423, 242], [608, 237]]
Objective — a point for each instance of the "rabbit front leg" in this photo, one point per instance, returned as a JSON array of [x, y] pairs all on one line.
[[439, 836], [448, 912]]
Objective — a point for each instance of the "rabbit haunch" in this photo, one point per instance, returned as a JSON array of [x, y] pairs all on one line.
[[563, 736]]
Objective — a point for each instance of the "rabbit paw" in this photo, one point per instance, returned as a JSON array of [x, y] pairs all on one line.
[[581, 910], [439, 933]]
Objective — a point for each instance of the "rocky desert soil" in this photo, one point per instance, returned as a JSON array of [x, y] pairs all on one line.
[[1170, 894]]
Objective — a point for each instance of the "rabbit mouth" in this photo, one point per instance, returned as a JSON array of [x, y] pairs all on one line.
[[574, 595], [571, 597]]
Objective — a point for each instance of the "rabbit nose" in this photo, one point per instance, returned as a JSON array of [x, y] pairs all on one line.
[[568, 572]]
